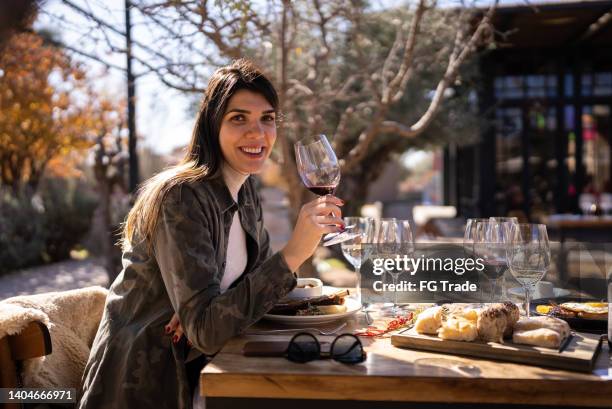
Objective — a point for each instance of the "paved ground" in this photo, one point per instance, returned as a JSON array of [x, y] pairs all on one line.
[[65, 275]]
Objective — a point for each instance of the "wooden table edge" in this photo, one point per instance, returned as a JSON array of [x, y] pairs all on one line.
[[592, 393]]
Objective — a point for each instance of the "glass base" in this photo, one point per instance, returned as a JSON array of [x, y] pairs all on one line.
[[337, 238]]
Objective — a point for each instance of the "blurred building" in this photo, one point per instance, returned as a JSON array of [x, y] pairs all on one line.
[[547, 91]]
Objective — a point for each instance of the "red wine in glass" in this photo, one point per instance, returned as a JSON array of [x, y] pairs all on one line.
[[322, 190], [320, 172]]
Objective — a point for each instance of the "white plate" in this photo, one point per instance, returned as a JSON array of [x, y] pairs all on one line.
[[352, 307], [520, 292]]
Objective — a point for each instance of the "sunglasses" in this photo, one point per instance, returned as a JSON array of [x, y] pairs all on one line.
[[345, 348]]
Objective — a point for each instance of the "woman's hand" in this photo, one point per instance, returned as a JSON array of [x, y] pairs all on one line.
[[174, 326], [318, 217]]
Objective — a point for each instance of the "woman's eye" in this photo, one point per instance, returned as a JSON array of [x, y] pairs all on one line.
[[268, 118], [238, 118]]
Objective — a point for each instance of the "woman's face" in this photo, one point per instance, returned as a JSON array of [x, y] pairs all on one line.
[[248, 131]]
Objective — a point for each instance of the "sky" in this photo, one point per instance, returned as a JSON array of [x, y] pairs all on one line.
[[164, 116]]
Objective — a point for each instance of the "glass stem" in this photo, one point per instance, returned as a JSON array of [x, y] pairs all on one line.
[[527, 299], [358, 282], [493, 289], [395, 278]]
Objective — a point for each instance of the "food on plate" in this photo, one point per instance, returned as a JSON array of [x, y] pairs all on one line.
[[304, 306], [497, 321], [544, 309], [322, 310], [589, 310], [541, 331], [429, 321], [586, 310], [306, 288]]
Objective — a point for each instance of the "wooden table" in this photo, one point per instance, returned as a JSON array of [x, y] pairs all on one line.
[[401, 375]]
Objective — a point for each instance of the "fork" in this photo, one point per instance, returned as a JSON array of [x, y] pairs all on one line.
[[282, 331]]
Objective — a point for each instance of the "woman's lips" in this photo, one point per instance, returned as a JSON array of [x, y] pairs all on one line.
[[252, 151]]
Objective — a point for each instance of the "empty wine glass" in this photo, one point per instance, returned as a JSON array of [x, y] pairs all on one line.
[[468, 245], [353, 248], [319, 170], [394, 239], [468, 235], [528, 255], [407, 248]]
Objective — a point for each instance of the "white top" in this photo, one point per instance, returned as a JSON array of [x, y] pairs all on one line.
[[236, 255]]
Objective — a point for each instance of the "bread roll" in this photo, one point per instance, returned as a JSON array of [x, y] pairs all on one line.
[[542, 337], [429, 321], [555, 324], [546, 332], [497, 321], [492, 322]]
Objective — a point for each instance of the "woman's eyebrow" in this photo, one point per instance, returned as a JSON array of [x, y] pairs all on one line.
[[245, 111]]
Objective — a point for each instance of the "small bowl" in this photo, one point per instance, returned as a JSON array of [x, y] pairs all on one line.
[[301, 291]]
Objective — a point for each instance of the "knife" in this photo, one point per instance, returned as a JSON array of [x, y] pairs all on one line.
[[566, 342]]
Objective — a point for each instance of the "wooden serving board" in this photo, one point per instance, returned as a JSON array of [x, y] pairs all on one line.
[[578, 355]]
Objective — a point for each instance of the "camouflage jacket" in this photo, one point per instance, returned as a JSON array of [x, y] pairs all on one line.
[[133, 363]]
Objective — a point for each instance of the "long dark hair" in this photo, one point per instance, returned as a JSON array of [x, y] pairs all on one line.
[[204, 157]]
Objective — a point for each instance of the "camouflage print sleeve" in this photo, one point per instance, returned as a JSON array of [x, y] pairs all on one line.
[[186, 257]]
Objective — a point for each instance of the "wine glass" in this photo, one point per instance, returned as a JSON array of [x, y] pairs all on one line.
[[502, 281], [388, 246], [320, 172], [406, 248], [470, 228], [352, 249], [317, 165], [528, 255], [468, 244], [491, 239], [468, 235]]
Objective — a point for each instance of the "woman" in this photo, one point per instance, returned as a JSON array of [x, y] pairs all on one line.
[[194, 244]]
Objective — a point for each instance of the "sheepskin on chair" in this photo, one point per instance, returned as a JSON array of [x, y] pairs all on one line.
[[72, 318]]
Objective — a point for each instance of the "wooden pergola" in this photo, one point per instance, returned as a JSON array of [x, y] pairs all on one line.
[[545, 52]]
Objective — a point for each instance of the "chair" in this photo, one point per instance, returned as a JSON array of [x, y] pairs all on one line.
[[71, 318], [32, 342]]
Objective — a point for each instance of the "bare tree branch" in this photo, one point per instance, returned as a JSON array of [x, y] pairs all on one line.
[[457, 57]]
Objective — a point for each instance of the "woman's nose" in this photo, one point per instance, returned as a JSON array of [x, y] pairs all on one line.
[[256, 129]]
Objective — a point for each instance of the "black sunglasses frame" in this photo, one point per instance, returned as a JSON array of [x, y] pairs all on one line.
[[330, 354]]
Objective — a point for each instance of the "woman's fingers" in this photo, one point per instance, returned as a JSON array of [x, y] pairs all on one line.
[[171, 326], [326, 209], [329, 220], [328, 199], [174, 326], [178, 333], [330, 229]]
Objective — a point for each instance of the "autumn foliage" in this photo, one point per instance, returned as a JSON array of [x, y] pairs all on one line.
[[47, 110], [51, 119]]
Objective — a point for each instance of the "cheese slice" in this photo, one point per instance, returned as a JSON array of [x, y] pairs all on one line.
[[458, 329]]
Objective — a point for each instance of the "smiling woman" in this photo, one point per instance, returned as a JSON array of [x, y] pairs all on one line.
[[196, 258], [248, 132]]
